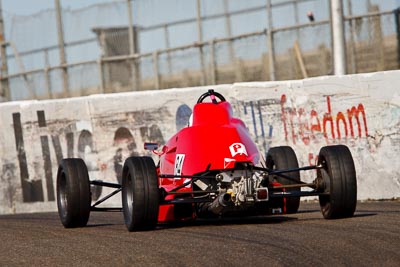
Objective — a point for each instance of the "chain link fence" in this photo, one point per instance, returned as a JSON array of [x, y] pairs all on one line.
[[179, 43]]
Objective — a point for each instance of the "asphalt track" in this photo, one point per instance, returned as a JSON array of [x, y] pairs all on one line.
[[371, 238]]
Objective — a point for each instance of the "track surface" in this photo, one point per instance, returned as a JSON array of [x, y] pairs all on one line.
[[371, 238]]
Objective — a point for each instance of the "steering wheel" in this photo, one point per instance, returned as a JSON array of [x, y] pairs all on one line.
[[213, 95]]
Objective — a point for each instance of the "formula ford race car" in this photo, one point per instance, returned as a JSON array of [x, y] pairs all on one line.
[[209, 169]]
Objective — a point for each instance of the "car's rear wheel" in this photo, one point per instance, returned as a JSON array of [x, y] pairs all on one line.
[[280, 158], [140, 195], [73, 193], [339, 177]]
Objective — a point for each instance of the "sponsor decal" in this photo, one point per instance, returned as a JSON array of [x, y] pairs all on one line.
[[179, 159], [237, 148], [229, 163]]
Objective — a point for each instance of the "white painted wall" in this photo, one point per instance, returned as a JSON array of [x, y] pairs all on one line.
[[261, 105]]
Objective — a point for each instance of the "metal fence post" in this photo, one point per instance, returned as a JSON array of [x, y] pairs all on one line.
[[397, 22], [352, 45], [270, 40], [378, 38], [46, 74], [4, 84], [228, 30], [212, 62], [200, 40], [132, 48], [28, 84], [130, 28], [156, 70], [61, 48], [101, 74], [339, 49], [167, 45], [296, 17]]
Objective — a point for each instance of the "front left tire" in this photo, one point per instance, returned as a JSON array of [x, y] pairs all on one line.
[[282, 158], [73, 193]]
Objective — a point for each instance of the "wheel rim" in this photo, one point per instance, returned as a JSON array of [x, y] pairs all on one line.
[[271, 165], [129, 194], [63, 188], [324, 200]]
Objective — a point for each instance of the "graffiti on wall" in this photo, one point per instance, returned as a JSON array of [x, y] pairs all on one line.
[[278, 119], [267, 119], [7, 195], [261, 123], [39, 185], [300, 125]]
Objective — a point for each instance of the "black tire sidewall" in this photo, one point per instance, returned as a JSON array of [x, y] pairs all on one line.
[[142, 212], [280, 158], [339, 176], [73, 184]]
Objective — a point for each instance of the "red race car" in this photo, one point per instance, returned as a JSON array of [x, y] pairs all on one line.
[[211, 168]]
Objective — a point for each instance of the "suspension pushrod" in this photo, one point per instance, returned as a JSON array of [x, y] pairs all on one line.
[[306, 168], [105, 209], [191, 192], [294, 186], [183, 185], [296, 194], [101, 183], [280, 173], [106, 197]]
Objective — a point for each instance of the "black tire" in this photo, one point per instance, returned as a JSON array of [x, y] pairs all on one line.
[[140, 194], [73, 193], [339, 177], [280, 158]]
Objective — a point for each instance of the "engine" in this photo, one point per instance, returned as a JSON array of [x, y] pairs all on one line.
[[238, 190]]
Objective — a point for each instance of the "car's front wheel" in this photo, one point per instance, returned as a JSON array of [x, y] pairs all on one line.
[[140, 195], [73, 193], [338, 174]]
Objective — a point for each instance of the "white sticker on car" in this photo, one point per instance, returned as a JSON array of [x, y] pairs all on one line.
[[179, 159], [237, 148], [228, 162]]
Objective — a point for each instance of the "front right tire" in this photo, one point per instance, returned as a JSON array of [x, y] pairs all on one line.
[[339, 198]]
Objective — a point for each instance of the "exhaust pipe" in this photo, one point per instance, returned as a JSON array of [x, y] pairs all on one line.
[[221, 202]]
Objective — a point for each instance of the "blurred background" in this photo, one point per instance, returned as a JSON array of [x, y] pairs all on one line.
[[63, 48]]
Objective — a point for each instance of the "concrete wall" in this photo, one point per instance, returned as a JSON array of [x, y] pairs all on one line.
[[361, 111]]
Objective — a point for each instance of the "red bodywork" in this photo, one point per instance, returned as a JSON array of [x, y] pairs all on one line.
[[215, 141]]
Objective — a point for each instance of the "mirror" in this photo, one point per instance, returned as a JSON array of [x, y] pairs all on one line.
[[150, 146]]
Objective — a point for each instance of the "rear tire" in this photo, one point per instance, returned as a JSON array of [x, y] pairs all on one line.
[[339, 177], [73, 193], [140, 195], [280, 158]]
